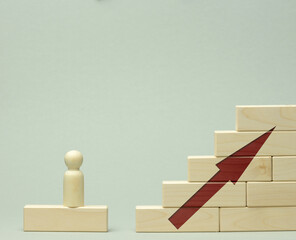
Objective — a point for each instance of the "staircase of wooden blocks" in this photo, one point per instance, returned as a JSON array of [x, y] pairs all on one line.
[[263, 198]]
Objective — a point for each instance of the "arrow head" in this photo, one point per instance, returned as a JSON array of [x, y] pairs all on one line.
[[232, 167]]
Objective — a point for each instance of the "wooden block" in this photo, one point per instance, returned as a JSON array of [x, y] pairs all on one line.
[[271, 194], [279, 142], [202, 168], [284, 168], [47, 218], [263, 118], [258, 219], [176, 193], [155, 219]]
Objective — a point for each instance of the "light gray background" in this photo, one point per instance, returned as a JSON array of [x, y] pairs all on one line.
[[136, 86]]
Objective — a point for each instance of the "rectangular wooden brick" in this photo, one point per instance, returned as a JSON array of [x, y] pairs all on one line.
[[279, 143], [176, 193], [155, 219], [284, 168], [265, 117], [271, 194], [202, 168], [57, 218], [258, 219]]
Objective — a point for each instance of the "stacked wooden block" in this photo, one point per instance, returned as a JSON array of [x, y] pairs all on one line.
[[264, 198]]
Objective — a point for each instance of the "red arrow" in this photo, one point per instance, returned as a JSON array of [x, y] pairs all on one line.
[[231, 168]]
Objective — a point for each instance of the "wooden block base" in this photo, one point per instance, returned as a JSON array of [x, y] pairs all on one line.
[[176, 193], [265, 117], [258, 219], [57, 218], [271, 194], [155, 219], [202, 168], [280, 143], [284, 168]]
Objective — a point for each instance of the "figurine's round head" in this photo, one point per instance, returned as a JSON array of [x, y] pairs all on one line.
[[73, 159]]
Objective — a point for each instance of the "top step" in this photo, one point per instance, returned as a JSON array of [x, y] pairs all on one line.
[[265, 117]]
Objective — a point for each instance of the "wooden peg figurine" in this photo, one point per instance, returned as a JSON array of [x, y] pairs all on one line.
[[73, 180]]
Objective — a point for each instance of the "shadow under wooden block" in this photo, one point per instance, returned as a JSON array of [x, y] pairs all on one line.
[[284, 168], [264, 117], [279, 143], [176, 193], [57, 218], [271, 194], [155, 219], [202, 168], [258, 219]]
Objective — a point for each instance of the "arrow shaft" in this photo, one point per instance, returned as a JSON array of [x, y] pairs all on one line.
[[204, 194], [193, 204]]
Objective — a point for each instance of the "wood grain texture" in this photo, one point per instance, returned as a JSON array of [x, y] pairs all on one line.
[[176, 193], [155, 219], [258, 219], [271, 194], [202, 168], [57, 218], [284, 168], [263, 118], [279, 143]]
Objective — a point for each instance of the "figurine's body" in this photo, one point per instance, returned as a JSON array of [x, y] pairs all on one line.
[[73, 180]]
